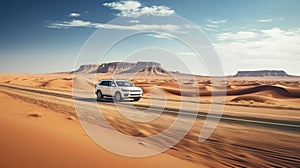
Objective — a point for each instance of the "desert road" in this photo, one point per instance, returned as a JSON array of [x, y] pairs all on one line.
[[266, 122]]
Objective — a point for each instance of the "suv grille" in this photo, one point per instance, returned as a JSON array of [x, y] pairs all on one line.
[[135, 94], [134, 90]]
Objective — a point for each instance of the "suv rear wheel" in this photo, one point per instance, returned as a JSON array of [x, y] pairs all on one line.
[[99, 95]]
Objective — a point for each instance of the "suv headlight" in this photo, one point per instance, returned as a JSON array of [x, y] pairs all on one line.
[[125, 90]]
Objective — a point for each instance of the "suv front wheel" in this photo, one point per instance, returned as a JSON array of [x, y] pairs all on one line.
[[118, 97]]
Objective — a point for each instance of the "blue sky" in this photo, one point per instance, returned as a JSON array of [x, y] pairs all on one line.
[[46, 36]]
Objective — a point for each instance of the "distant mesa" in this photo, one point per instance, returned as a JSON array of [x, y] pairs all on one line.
[[124, 67], [86, 68], [262, 73], [154, 68]]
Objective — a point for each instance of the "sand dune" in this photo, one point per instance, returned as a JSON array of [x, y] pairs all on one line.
[[55, 81], [64, 83], [45, 127], [275, 90], [270, 91]]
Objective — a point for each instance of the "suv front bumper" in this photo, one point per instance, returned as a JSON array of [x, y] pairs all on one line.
[[132, 95]]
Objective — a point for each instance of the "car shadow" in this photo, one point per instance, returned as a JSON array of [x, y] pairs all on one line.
[[85, 99], [111, 100], [104, 100]]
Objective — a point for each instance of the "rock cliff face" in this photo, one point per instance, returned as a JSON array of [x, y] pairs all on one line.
[[144, 67], [262, 73], [87, 68], [124, 67], [114, 67]]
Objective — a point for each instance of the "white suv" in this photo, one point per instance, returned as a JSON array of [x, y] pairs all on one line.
[[119, 89]]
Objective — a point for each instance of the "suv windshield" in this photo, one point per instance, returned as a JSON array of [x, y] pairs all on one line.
[[124, 84]]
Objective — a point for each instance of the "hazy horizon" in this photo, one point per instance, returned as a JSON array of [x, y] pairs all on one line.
[[171, 70]]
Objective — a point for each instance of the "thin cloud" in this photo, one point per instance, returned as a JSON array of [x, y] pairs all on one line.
[[211, 25], [241, 35], [134, 8], [74, 14], [134, 21], [67, 24], [124, 5], [140, 27], [216, 21], [265, 20], [162, 35]]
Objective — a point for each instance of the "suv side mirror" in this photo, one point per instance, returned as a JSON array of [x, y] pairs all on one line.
[[113, 85]]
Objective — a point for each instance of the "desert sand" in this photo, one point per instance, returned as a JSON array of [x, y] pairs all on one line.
[[260, 128]]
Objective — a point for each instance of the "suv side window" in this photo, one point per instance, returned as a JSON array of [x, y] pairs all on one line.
[[111, 83], [104, 83]]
